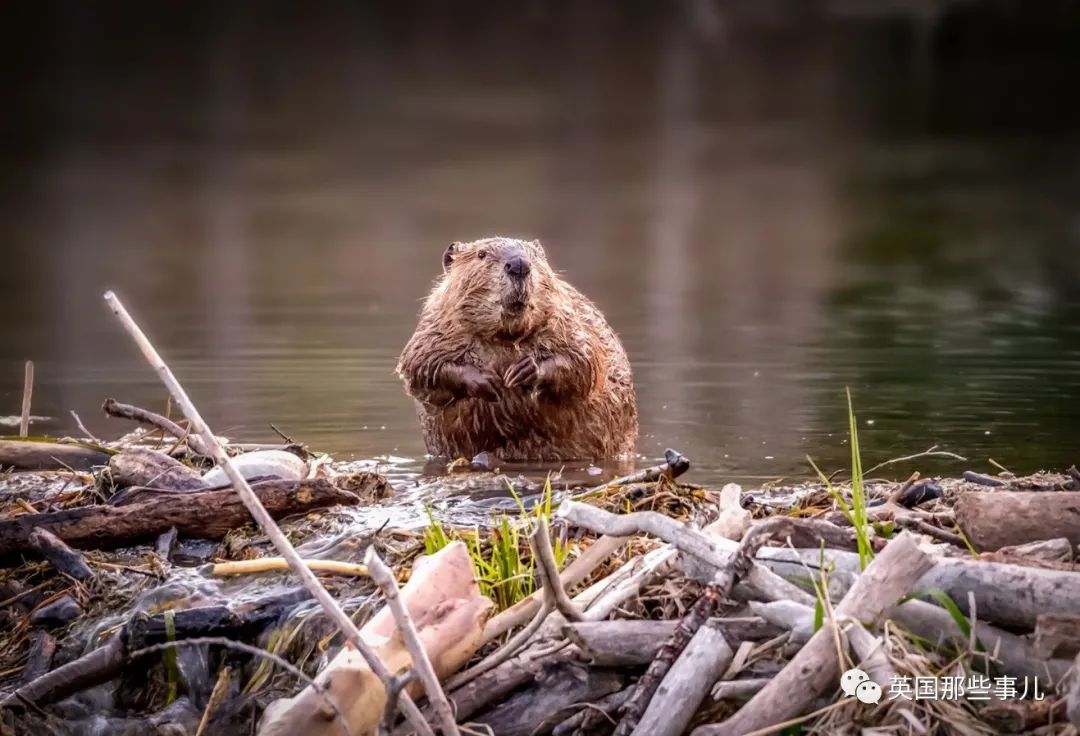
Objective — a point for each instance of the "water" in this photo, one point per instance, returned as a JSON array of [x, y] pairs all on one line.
[[768, 204]]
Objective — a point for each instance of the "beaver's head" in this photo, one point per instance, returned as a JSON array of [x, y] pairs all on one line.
[[497, 287]]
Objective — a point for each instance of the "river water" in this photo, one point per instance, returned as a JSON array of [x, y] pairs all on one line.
[[769, 203]]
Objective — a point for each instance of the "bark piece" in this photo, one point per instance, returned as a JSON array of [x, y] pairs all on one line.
[[995, 520], [200, 514]]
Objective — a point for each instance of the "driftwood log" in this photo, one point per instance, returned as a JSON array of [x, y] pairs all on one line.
[[995, 520], [815, 667], [201, 514], [143, 466], [1009, 595], [45, 454]]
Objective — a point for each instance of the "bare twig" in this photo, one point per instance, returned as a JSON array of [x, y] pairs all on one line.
[[382, 576], [260, 514], [82, 427], [28, 392], [931, 452]]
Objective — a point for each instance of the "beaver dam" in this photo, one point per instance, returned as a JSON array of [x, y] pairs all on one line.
[[148, 589]]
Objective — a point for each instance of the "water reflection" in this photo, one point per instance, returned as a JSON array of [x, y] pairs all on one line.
[[768, 207]]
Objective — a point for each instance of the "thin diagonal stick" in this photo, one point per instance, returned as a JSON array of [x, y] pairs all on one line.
[[262, 517]]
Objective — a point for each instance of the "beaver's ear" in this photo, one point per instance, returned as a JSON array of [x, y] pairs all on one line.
[[448, 255]]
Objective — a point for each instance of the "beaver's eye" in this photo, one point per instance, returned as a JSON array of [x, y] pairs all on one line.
[[481, 254]]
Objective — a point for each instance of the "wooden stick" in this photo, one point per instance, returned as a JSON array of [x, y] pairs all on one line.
[[269, 564], [421, 664], [28, 392], [815, 668], [333, 611], [114, 408], [545, 559]]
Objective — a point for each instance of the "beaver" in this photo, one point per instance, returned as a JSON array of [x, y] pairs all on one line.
[[510, 359]]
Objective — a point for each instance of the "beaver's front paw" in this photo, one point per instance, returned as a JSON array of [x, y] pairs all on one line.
[[480, 383], [524, 373]]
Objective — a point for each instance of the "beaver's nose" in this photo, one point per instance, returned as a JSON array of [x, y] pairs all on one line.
[[517, 267]]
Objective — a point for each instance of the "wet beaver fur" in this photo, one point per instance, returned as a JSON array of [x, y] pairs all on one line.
[[508, 358]]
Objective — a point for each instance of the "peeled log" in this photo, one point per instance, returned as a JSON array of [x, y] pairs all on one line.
[[200, 514], [445, 603], [995, 520]]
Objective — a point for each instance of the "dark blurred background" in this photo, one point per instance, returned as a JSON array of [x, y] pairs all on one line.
[[770, 200]]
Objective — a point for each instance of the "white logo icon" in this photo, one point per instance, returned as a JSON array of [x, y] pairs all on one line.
[[851, 679], [868, 692]]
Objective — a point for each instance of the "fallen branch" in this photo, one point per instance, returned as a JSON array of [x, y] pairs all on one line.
[[199, 514], [258, 511], [114, 408], [815, 668]]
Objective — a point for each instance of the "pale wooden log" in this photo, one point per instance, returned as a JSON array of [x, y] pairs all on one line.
[[1001, 519], [733, 520], [143, 466], [258, 511], [1009, 595], [444, 601], [815, 667], [421, 664], [684, 687]]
